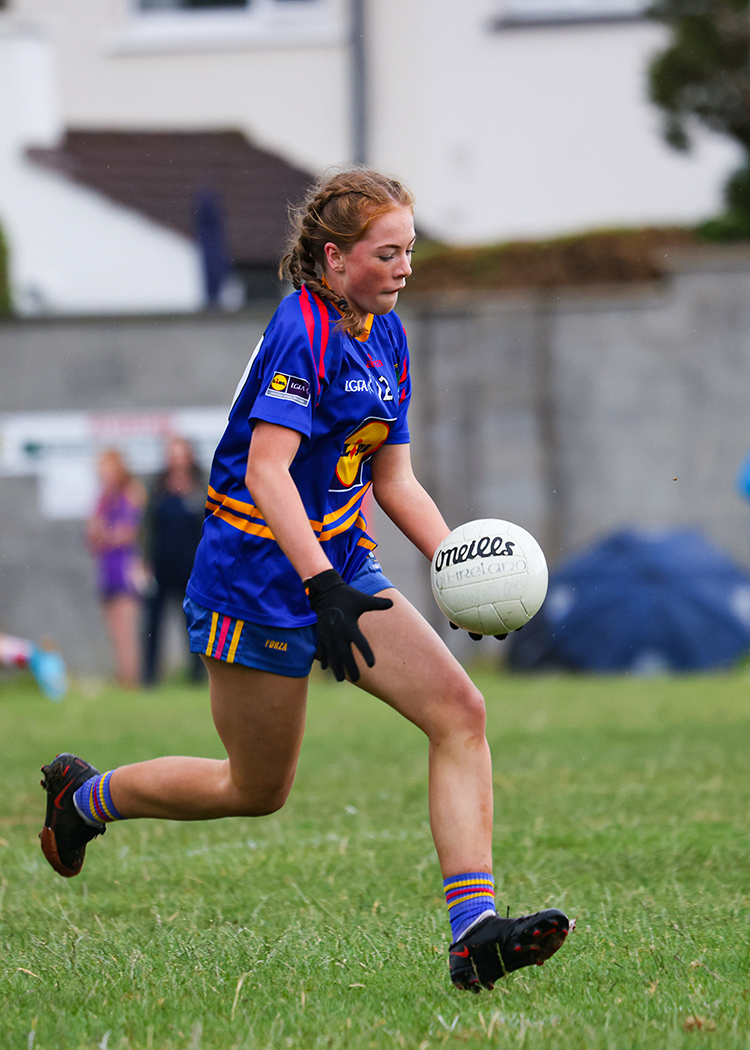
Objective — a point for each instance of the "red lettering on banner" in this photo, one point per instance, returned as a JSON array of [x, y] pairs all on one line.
[[131, 424]]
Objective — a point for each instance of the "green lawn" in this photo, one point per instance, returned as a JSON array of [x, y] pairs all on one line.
[[626, 802]]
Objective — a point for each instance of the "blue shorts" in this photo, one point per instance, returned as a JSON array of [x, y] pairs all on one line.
[[287, 651]]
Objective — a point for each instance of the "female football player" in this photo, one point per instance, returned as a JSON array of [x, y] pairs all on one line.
[[285, 569]]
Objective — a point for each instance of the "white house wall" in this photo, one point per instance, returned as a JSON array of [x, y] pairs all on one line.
[[71, 249], [531, 131], [522, 132]]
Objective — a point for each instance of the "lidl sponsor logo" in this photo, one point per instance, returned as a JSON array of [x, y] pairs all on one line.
[[289, 388]]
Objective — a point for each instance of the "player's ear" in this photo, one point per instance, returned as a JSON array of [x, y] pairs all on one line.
[[334, 257]]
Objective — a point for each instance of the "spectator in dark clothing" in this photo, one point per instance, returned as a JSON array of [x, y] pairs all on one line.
[[171, 531]]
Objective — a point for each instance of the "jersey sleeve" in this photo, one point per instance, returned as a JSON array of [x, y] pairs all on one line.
[[289, 368], [287, 372], [399, 434], [286, 383]]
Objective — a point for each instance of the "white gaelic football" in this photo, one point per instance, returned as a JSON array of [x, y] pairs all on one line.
[[489, 576]]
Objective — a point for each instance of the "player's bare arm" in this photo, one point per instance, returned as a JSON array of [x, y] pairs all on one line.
[[409, 506], [272, 451]]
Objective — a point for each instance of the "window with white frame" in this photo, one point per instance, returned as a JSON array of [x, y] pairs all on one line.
[[210, 25], [206, 5], [544, 12]]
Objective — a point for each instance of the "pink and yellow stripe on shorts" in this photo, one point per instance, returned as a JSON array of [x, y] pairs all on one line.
[[224, 629]]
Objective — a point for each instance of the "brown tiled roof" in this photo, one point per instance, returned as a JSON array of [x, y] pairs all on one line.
[[159, 173]]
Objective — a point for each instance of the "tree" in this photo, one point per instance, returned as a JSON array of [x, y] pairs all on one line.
[[704, 73]]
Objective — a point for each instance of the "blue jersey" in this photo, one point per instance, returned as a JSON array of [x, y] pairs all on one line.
[[346, 396]]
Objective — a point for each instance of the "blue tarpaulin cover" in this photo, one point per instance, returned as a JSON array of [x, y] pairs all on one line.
[[642, 602]]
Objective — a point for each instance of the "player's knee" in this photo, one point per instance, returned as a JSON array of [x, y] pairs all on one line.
[[473, 711], [254, 800], [463, 710], [264, 807]]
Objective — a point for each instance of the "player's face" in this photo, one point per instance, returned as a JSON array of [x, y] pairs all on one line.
[[371, 275]]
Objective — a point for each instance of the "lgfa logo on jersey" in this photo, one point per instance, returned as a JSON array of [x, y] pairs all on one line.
[[356, 386], [289, 388]]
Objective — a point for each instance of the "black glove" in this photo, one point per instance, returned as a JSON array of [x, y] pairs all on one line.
[[338, 607], [478, 637]]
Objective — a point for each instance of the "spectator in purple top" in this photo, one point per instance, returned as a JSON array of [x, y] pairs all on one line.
[[112, 535]]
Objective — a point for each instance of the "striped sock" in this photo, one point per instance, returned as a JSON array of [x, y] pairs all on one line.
[[468, 897], [94, 801]]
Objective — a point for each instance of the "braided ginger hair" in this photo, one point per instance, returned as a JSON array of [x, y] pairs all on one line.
[[339, 209]]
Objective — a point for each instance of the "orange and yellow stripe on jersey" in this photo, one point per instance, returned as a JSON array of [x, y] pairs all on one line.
[[247, 518]]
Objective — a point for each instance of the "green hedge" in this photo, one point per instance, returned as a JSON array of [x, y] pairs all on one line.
[[5, 306]]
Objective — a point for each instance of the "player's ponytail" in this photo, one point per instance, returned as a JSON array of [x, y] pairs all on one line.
[[339, 208]]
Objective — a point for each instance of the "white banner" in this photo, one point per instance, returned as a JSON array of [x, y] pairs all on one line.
[[61, 448]]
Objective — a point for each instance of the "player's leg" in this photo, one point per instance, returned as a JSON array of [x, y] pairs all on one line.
[[260, 718], [416, 674]]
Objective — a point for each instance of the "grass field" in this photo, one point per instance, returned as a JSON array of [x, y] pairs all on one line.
[[626, 802]]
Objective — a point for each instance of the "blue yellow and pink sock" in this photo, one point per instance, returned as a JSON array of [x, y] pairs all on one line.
[[93, 801], [469, 898]]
